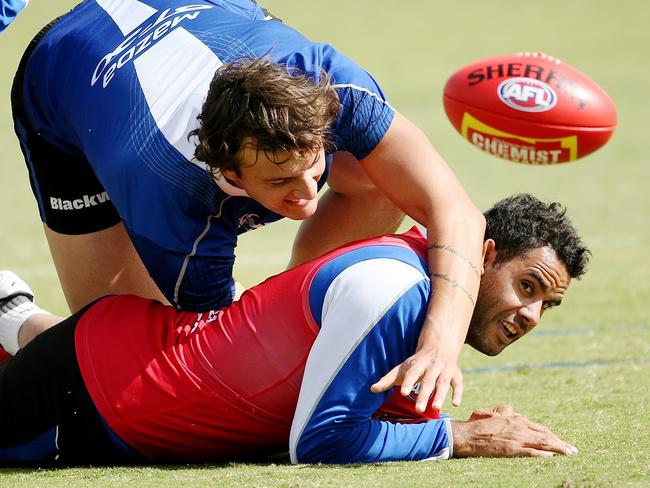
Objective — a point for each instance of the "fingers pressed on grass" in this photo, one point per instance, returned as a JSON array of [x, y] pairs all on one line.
[[536, 453], [552, 443]]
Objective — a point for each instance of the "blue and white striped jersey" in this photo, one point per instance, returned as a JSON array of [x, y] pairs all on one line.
[[121, 82], [370, 304]]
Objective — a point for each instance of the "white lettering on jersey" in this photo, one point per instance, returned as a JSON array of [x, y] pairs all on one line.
[[249, 221], [142, 39], [212, 316], [127, 14], [86, 201]]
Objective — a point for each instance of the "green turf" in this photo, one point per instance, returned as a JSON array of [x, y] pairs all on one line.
[[585, 371]]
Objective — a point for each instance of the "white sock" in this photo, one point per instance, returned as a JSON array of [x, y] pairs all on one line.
[[13, 314]]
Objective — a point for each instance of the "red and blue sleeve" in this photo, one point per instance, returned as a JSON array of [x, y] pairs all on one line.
[[370, 312]]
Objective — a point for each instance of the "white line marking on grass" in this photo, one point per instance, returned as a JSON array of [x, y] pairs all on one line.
[[555, 365]]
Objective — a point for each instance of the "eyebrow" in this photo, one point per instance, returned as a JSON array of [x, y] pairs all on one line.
[[544, 286], [538, 277], [288, 177]]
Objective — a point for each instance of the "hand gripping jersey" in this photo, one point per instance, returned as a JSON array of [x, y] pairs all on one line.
[[289, 364], [121, 82]]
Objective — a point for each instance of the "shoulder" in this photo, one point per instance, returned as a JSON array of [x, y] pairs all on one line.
[[368, 277]]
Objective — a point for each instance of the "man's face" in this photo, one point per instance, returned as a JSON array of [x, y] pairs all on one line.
[[513, 296], [289, 188]]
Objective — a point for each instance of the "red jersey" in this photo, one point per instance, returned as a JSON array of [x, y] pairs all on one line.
[[201, 386]]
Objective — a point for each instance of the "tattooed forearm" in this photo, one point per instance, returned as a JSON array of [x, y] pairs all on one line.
[[458, 254], [454, 284]]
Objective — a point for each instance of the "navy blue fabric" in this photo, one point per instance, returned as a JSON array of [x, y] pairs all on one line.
[[39, 448], [183, 225]]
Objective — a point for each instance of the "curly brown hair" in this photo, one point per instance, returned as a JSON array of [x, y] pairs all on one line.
[[521, 222], [279, 109]]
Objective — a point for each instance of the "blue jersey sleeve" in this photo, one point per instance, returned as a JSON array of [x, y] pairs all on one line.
[[365, 113], [10, 9], [370, 318]]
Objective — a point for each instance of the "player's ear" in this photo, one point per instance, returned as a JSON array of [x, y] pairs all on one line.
[[489, 254], [232, 176]]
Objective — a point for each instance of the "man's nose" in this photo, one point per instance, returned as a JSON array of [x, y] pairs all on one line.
[[307, 187], [531, 314]]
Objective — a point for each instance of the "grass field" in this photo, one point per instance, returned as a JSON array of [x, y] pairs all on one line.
[[585, 371]]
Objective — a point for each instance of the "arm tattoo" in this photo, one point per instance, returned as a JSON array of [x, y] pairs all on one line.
[[454, 284], [448, 248]]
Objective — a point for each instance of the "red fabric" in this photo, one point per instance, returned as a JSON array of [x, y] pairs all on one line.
[[190, 387], [398, 408], [4, 356]]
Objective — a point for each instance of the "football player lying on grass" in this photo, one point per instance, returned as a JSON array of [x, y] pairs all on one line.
[[289, 365]]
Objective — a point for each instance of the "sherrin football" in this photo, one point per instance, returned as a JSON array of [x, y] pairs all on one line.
[[529, 108]]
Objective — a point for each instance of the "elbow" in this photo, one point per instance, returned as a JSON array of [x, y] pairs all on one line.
[[474, 219], [464, 216], [328, 447], [319, 452], [472, 214]]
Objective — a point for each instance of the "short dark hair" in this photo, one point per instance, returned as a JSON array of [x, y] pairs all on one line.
[[520, 223], [280, 109]]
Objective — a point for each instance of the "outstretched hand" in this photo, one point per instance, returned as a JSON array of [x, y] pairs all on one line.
[[427, 371], [501, 432]]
